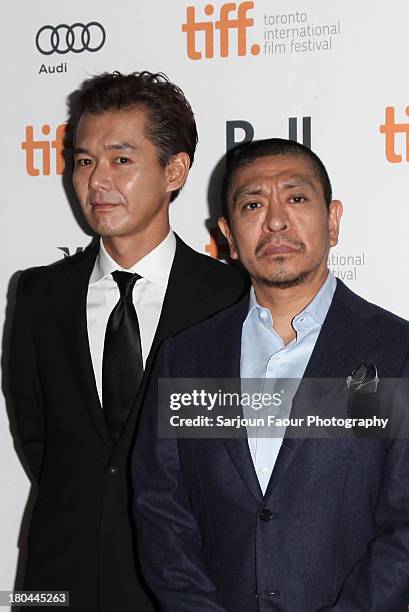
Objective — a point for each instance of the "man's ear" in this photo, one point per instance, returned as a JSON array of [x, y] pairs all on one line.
[[226, 231], [177, 170], [335, 211]]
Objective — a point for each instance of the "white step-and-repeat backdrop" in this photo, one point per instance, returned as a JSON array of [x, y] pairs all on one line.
[[329, 74]]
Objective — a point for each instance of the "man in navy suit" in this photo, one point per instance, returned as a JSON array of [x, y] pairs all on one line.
[[285, 524]]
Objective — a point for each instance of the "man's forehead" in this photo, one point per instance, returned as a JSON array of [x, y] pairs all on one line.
[[286, 172], [276, 166], [111, 127]]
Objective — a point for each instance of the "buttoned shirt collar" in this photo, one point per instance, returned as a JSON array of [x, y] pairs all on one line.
[[154, 267], [317, 308]]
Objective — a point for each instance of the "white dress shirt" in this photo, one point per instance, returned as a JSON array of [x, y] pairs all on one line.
[[148, 295]]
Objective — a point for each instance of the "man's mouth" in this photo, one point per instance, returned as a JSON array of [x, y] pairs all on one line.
[[282, 249], [103, 205], [275, 247]]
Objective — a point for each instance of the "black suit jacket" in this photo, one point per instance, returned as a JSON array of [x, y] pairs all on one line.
[[81, 538], [332, 530]]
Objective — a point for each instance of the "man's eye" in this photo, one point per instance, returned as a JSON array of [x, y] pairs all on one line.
[[82, 161], [251, 205], [121, 160], [297, 199]]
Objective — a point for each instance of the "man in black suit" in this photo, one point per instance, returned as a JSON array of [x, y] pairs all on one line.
[[256, 524], [86, 330]]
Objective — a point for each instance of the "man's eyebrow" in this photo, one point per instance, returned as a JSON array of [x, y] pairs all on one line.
[[247, 190], [298, 181], [117, 146], [120, 146], [78, 150]]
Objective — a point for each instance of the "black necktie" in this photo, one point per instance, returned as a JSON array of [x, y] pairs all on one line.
[[122, 365]]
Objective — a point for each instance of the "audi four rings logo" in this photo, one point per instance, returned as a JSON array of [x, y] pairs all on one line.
[[76, 38]]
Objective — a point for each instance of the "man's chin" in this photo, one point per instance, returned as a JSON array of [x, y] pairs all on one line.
[[283, 280], [108, 229]]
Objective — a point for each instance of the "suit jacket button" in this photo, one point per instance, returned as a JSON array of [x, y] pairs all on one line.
[[274, 593], [266, 515], [113, 471]]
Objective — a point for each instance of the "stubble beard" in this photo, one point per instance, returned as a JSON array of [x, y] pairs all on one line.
[[283, 280]]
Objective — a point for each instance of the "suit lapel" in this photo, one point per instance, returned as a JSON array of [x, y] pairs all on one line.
[[179, 302], [343, 340], [340, 347], [70, 302], [182, 304], [228, 363]]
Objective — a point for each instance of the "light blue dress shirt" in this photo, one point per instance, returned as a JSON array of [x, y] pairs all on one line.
[[265, 356]]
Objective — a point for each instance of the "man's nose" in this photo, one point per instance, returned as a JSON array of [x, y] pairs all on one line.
[[276, 217], [100, 178]]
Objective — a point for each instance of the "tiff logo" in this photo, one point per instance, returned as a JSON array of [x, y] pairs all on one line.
[[390, 128], [39, 152], [232, 16]]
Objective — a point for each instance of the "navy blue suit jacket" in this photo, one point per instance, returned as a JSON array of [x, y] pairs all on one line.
[[337, 534]]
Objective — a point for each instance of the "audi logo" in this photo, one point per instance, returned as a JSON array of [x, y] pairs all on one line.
[[77, 38]]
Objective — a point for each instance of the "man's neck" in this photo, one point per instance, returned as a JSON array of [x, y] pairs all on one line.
[[285, 304], [128, 250]]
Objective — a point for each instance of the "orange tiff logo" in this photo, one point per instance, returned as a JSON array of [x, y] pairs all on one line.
[[390, 128], [38, 152], [232, 16]]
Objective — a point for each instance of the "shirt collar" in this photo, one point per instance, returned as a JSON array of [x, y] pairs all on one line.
[[154, 267], [317, 308]]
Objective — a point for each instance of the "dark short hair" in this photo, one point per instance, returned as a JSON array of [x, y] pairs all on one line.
[[245, 154], [171, 125]]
